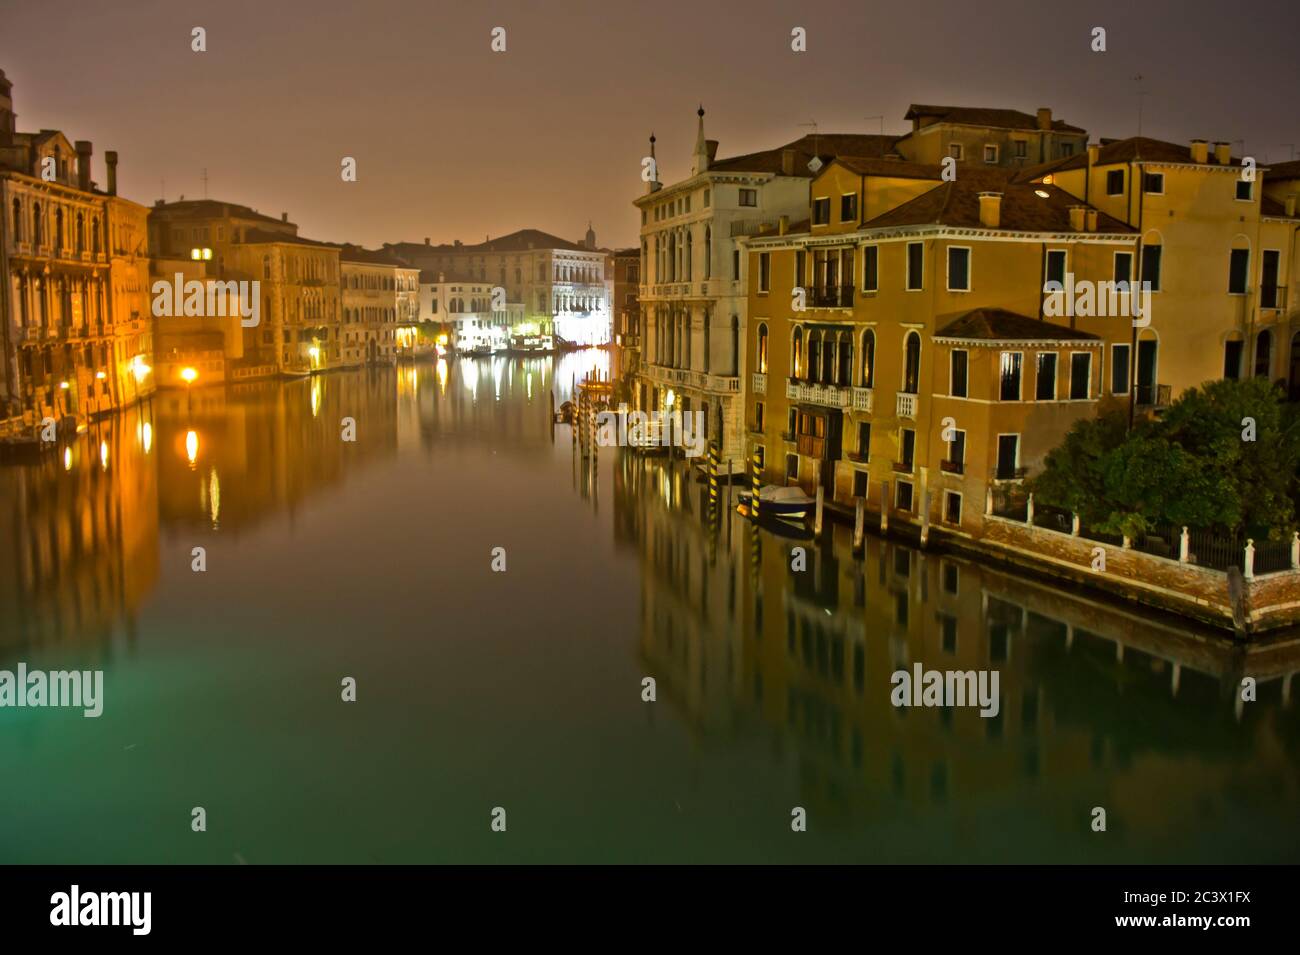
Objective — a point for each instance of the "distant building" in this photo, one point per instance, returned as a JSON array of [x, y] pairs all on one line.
[[560, 287], [74, 312], [380, 293], [626, 264]]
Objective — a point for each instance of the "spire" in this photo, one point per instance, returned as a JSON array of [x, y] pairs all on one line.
[[653, 184], [701, 146]]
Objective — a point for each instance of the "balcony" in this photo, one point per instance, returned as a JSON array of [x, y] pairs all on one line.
[[1272, 297], [1153, 395], [1010, 474], [902, 467], [836, 296], [863, 399], [952, 467], [758, 383], [832, 396], [906, 405]]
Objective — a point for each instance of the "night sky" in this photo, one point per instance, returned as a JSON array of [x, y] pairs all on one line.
[[455, 141]]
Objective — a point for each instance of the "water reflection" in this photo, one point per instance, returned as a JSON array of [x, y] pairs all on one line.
[[1101, 704]]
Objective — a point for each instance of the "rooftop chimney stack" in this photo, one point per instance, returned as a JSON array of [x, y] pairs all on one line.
[[1223, 153], [426, 240], [1078, 216], [84, 151], [991, 209], [1092, 220], [1290, 204], [787, 162], [783, 225], [110, 160], [1200, 151], [284, 217], [1094, 153], [1044, 118]]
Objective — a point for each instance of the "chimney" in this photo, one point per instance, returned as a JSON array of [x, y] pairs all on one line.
[[284, 217], [1078, 215], [84, 151], [1092, 220], [1200, 151], [110, 159], [426, 240], [787, 162], [1290, 204], [1044, 118], [991, 209], [1223, 153], [783, 225], [1094, 153]]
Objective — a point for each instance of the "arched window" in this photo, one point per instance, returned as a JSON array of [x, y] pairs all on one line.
[[94, 235], [38, 235], [845, 376], [762, 348], [1263, 354], [18, 221], [688, 255], [58, 230], [672, 258], [708, 252], [868, 359], [796, 354], [828, 358], [814, 355], [912, 364]]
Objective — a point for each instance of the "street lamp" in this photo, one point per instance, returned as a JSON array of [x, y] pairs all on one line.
[[188, 375]]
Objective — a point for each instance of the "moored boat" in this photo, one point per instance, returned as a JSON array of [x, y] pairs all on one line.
[[788, 502]]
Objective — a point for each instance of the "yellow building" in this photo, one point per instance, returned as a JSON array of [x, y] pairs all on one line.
[[899, 343], [1218, 250], [379, 293]]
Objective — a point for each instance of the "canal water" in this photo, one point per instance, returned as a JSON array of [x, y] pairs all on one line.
[[522, 689]]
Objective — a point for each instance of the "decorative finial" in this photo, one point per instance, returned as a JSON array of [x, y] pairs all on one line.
[[700, 112]]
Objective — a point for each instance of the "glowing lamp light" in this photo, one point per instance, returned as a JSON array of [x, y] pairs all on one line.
[[139, 369], [64, 385], [314, 351], [1041, 194], [67, 459], [668, 401], [188, 375], [100, 375], [103, 455]]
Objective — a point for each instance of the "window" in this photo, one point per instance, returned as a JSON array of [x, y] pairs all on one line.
[[958, 373], [1244, 190], [1268, 287], [990, 154], [1008, 456], [1123, 266], [1021, 148], [749, 197], [952, 515], [951, 578], [1115, 182], [903, 497], [860, 479], [1045, 381], [758, 416], [1232, 359], [821, 212], [1010, 376], [864, 440], [849, 207], [870, 268], [791, 467], [1238, 262], [1263, 353], [958, 269], [707, 198], [1151, 267], [764, 271], [957, 452], [915, 263], [735, 265], [762, 348], [912, 364], [1055, 267], [1080, 376], [956, 151], [868, 359], [1067, 149], [800, 268], [1154, 183], [906, 448], [791, 420]]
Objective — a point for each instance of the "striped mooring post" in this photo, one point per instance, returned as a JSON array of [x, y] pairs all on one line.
[[755, 482], [714, 457]]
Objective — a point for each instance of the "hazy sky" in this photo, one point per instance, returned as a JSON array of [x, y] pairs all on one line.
[[455, 141]]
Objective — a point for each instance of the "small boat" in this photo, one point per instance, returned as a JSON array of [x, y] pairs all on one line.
[[777, 501]]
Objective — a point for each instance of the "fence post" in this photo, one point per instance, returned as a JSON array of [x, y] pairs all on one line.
[[988, 501], [1295, 550], [1029, 510], [1248, 571], [1182, 546], [1126, 543], [1074, 525]]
